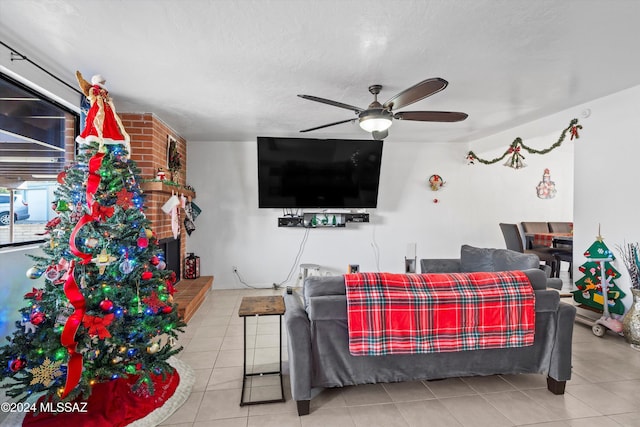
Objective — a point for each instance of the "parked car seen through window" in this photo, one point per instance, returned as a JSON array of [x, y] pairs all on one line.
[[20, 209]]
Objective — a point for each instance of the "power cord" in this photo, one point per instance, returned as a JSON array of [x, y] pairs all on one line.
[[296, 261], [242, 281]]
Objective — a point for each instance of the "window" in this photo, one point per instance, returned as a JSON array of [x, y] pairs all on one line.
[[37, 140]]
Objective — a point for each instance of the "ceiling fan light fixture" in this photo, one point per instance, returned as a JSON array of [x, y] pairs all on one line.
[[375, 120]]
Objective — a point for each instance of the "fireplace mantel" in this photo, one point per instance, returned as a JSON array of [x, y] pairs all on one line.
[[161, 187]]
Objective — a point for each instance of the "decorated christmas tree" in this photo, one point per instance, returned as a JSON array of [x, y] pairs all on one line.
[[104, 312], [589, 286]]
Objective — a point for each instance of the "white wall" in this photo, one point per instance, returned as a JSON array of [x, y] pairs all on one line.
[[232, 231], [607, 190], [14, 263]]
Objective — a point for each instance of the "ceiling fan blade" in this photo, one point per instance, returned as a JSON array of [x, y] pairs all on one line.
[[330, 102], [431, 116], [416, 93], [329, 124], [380, 135]]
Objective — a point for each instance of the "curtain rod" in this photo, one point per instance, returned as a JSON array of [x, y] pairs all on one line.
[[23, 57]]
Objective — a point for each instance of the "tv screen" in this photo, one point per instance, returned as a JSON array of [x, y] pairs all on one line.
[[318, 173]]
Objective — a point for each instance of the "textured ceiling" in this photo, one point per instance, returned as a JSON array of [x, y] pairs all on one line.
[[231, 70]]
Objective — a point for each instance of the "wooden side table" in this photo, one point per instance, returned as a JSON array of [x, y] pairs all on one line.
[[261, 306]]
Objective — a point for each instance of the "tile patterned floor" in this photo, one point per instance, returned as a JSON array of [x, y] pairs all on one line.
[[604, 390]]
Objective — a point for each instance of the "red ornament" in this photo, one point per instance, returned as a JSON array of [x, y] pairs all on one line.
[[167, 309], [154, 260], [61, 176], [37, 317], [435, 200], [16, 364], [106, 305], [143, 242], [147, 275]]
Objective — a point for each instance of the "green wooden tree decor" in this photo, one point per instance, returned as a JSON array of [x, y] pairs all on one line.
[[589, 292]]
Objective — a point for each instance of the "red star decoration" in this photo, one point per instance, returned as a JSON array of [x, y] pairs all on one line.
[[125, 198], [154, 302]]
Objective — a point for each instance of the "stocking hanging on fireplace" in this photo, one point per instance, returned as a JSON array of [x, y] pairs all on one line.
[[191, 212], [104, 298]]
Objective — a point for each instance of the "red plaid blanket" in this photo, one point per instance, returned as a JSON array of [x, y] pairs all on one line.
[[428, 313]]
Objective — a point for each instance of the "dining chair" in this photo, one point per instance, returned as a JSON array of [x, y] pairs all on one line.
[[514, 242], [534, 227], [565, 252], [566, 255]]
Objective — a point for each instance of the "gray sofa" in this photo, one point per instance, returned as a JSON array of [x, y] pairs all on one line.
[[318, 346], [488, 259]]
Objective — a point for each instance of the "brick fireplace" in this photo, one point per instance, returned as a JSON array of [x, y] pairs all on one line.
[[149, 139]]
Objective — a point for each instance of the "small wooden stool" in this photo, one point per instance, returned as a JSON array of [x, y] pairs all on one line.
[[261, 306]]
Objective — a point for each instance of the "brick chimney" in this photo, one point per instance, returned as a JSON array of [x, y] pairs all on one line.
[[149, 143]]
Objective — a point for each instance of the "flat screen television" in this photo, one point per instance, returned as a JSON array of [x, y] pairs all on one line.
[[318, 173]]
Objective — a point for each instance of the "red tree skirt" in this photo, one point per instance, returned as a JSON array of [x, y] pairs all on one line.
[[111, 404]]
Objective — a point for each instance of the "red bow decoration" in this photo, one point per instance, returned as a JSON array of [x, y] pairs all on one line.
[[50, 226], [574, 131], [35, 294], [98, 325], [516, 149], [101, 213]]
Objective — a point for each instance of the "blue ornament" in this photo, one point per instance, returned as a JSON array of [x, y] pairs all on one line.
[[126, 266], [34, 272]]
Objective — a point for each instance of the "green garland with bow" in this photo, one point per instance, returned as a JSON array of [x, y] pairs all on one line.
[[517, 145]]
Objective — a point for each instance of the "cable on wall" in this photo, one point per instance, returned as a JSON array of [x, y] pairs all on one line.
[[17, 56], [296, 261]]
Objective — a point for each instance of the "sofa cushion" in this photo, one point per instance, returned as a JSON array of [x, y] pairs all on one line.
[[322, 285], [475, 259], [505, 260]]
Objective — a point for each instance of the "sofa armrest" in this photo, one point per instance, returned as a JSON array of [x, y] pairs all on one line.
[[298, 346], [440, 265], [560, 363], [554, 283]]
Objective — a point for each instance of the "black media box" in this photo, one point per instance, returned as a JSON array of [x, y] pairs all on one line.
[[287, 221]]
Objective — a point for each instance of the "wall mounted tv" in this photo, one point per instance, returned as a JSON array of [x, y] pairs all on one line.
[[318, 173]]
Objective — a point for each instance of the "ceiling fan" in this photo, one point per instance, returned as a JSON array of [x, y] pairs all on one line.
[[377, 118]]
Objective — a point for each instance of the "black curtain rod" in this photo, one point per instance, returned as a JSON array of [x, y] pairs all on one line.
[[23, 57]]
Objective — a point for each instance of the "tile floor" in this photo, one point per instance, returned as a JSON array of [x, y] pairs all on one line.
[[604, 390]]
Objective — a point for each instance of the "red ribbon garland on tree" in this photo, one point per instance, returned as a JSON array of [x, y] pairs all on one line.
[[67, 339], [93, 181], [86, 258], [71, 290]]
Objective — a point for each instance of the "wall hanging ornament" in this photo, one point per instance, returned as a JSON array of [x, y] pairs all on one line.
[[514, 152], [436, 182], [546, 189]]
